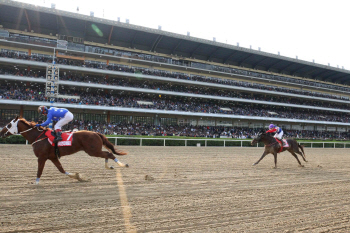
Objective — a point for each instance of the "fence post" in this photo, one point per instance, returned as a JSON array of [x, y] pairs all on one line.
[[224, 143], [241, 143], [205, 142], [164, 141], [27, 142], [185, 142], [140, 141], [116, 141], [323, 145]]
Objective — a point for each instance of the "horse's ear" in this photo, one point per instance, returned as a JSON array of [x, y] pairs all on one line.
[[16, 118]]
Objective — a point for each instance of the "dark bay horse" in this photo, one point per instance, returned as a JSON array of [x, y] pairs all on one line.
[[90, 142], [273, 146]]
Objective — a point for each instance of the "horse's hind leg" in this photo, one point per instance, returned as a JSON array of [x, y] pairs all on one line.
[[60, 168], [106, 160], [106, 155], [300, 165], [301, 154], [106, 165]]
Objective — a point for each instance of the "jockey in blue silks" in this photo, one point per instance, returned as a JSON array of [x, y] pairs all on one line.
[[61, 115], [277, 130]]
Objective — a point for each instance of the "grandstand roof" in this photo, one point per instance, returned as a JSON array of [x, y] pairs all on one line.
[[42, 20]]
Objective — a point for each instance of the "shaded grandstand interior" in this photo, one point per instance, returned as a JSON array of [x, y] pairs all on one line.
[[104, 97]]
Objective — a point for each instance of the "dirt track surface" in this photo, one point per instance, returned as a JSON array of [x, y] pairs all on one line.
[[177, 189]]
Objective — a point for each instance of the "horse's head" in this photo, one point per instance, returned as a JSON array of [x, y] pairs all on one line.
[[16, 126], [258, 137], [10, 129]]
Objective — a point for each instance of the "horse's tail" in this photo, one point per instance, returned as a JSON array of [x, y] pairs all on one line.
[[302, 149], [110, 146]]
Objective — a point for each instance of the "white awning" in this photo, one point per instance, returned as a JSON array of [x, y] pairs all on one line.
[[145, 103], [273, 113], [226, 109]]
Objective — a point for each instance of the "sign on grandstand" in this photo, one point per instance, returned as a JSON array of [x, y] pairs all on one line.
[[52, 78], [144, 103], [52, 84], [62, 44]]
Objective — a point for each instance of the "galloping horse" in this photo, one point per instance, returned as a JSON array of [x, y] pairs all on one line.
[[273, 146], [90, 142]]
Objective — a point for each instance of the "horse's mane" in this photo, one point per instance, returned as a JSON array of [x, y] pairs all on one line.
[[30, 124]]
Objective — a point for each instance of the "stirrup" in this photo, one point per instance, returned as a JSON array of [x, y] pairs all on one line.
[[57, 140]]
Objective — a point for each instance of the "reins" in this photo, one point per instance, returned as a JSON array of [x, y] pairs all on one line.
[[36, 140], [272, 143]]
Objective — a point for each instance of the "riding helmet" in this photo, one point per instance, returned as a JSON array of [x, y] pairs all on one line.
[[271, 126], [42, 110]]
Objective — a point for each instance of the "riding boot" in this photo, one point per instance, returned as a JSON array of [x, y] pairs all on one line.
[[58, 136]]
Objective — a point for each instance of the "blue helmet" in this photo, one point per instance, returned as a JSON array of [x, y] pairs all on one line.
[[271, 126]]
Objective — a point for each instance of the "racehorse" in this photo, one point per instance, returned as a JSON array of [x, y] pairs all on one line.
[[273, 146], [90, 142]]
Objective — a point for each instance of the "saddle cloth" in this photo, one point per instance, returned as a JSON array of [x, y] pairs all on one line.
[[283, 144], [67, 138]]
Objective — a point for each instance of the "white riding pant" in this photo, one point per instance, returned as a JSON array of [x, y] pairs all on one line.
[[279, 135], [63, 121]]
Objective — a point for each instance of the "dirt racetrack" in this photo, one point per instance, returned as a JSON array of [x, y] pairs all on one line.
[[177, 189]]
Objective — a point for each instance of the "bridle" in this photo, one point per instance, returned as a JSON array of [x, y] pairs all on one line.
[[14, 128]]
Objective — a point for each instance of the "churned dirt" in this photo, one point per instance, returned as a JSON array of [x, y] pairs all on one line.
[[177, 189]]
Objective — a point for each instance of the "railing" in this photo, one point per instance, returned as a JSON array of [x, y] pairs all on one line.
[[135, 141]]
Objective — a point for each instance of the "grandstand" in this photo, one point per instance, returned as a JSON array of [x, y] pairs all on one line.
[[120, 78]]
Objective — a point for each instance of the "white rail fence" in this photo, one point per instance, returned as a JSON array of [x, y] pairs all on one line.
[[135, 141]]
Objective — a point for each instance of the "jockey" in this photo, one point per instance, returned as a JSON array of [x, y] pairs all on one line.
[[61, 115], [277, 130]]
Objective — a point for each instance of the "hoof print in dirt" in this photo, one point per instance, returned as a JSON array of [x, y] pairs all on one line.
[[149, 177]]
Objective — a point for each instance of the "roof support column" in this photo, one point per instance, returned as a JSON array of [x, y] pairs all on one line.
[[29, 25], [21, 111], [110, 35]]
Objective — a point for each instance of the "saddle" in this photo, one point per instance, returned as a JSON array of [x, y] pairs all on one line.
[[283, 143], [67, 138]]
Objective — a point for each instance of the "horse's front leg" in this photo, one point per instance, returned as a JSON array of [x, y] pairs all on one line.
[[263, 155], [275, 157], [60, 168], [41, 165]]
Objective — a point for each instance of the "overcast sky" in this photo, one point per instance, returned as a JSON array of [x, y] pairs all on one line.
[[310, 29]]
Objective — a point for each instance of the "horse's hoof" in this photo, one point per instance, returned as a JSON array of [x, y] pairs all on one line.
[[254, 164], [126, 165], [111, 167], [301, 165], [79, 177]]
